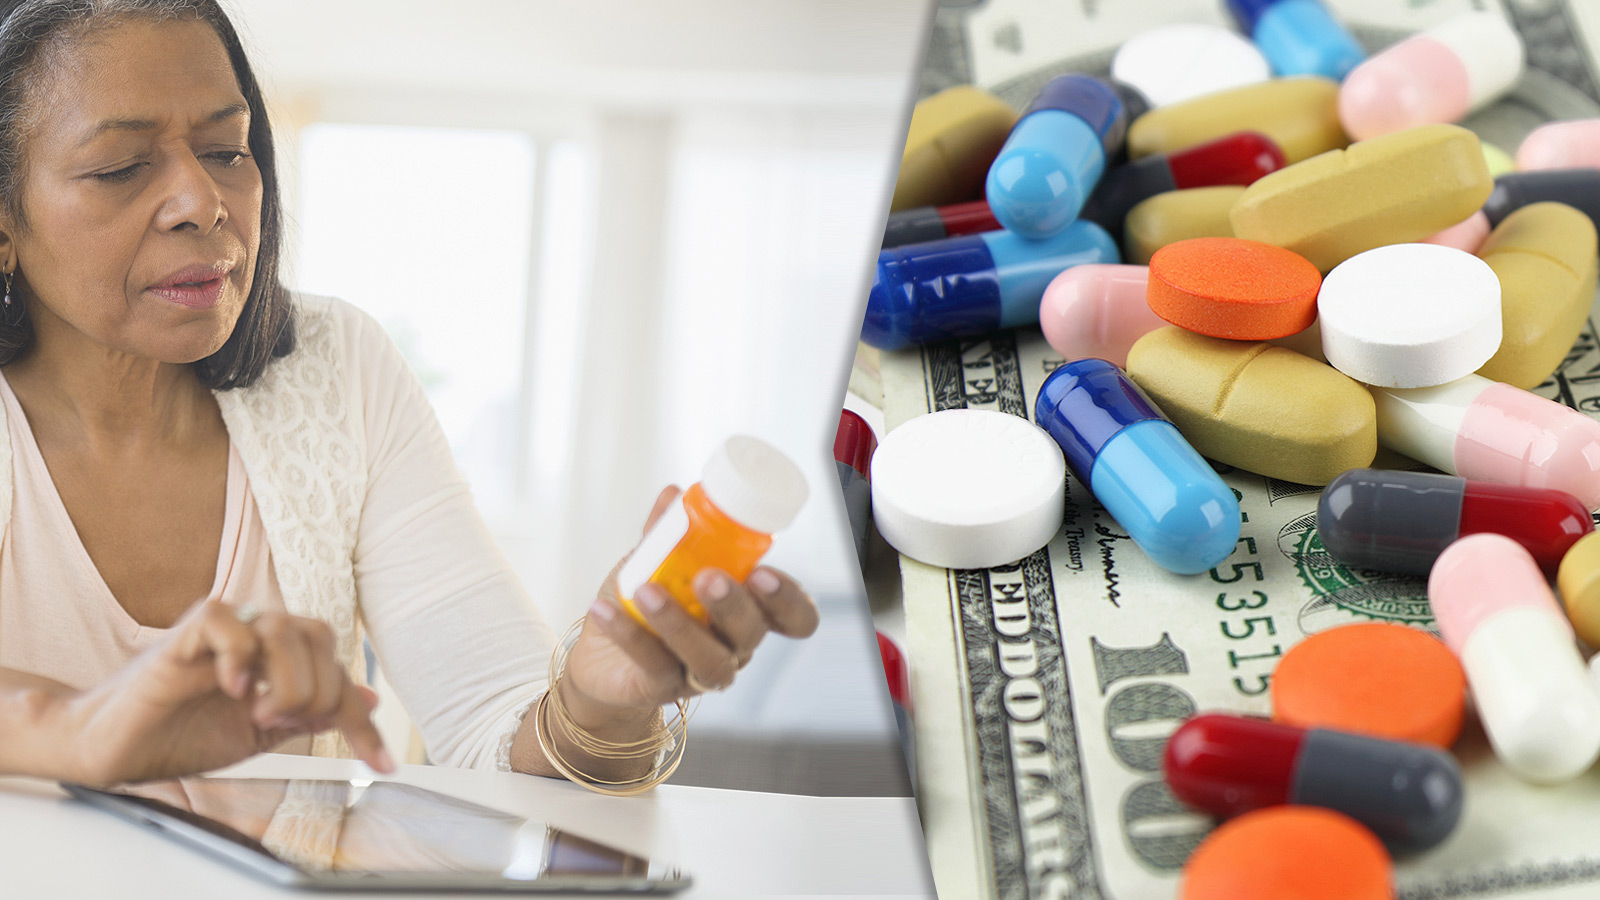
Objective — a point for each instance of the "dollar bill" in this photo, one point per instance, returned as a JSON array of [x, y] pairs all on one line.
[[1045, 690]]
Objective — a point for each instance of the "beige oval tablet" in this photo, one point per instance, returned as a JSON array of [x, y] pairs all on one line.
[[1258, 407], [1300, 114], [1394, 189], [1177, 216], [1545, 257], [1578, 581], [953, 137]]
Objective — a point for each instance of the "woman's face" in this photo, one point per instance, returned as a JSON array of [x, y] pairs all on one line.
[[142, 203]]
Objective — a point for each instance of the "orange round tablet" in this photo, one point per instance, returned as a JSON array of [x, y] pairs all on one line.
[[1284, 852], [1375, 678], [1233, 288]]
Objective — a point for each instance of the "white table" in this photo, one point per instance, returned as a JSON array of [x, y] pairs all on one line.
[[732, 843]]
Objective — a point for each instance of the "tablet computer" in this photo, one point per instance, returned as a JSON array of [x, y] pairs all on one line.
[[359, 835]]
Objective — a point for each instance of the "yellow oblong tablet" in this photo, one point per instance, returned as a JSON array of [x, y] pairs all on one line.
[[1545, 257], [1256, 406], [1393, 189], [1177, 216], [953, 137], [1301, 115]]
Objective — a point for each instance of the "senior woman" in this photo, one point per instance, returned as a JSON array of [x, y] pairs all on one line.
[[180, 428]]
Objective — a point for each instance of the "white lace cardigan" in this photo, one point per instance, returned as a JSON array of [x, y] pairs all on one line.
[[371, 526]]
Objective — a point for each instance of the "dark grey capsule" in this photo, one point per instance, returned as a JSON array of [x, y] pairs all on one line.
[[1390, 521], [1123, 188], [1578, 188], [1408, 794], [913, 226]]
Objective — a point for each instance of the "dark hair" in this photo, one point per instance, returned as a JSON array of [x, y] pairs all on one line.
[[28, 30]]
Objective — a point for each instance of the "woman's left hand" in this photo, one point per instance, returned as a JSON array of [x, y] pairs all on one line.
[[618, 664]]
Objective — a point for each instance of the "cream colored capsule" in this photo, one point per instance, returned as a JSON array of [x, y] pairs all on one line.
[[1394, 189], [953, 137], [1256, 406], [1177, 216], [1545, 257], [1300, 114]]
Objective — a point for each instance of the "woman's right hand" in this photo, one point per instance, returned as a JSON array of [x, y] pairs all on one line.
[[213, 692]]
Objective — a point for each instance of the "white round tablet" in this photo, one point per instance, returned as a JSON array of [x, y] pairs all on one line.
[[1409, 315], [968, 488], [1176, 62]]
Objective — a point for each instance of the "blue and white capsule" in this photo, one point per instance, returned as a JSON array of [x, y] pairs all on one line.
[[1055, 155], [1162, 493], [971, 285], [1298, 37]]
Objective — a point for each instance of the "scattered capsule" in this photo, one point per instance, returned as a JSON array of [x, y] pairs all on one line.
[[1238, 159], [967, 286], [1055, 155], [1298, 37], [1408, 794], [1162, 493], [1578, 188], [1097, 311], [1401, 521], [853, 444], [1441, 75], [935, 223], [1561, 145], [1483, 430], [1495, 610]]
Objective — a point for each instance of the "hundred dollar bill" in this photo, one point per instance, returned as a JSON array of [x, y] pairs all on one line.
[[1045, 690]]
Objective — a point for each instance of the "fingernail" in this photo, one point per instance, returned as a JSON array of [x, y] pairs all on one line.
[[385, 761], [241, 684], [652, 599], [714, 586], [602, 611], [765, 582]]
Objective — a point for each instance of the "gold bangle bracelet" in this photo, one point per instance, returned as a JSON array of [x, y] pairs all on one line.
[[671, 737]]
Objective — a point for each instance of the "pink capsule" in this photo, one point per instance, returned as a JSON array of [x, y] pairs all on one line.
[[1467, 234], [1495, 610], [1440, 75], [1573, 144], [1097, 311]]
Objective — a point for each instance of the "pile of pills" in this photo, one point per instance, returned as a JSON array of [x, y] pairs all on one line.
[[1266, 249]]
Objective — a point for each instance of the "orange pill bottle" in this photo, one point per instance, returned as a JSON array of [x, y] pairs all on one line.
[[726, 520]]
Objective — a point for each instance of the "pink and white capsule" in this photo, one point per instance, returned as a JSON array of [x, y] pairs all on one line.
[[1487, 431], [1574, 144], [1495, 610], [1097, 311], [1440, 75]]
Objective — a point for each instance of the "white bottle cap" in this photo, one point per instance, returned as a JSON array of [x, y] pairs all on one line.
[[753, 483], [968, 489]]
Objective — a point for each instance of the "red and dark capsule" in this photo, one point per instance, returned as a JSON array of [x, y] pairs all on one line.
[[1401, 521], [1408, 794]]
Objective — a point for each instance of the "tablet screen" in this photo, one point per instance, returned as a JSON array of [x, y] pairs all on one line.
[[383, 833]]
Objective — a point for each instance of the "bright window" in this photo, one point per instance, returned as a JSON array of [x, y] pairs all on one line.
[[429, 231]]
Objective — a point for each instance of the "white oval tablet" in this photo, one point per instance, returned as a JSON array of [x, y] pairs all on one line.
[[1177, 62], [968, 488], [1409, 315]]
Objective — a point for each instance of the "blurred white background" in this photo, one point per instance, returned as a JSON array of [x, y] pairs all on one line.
[[607, 236]]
